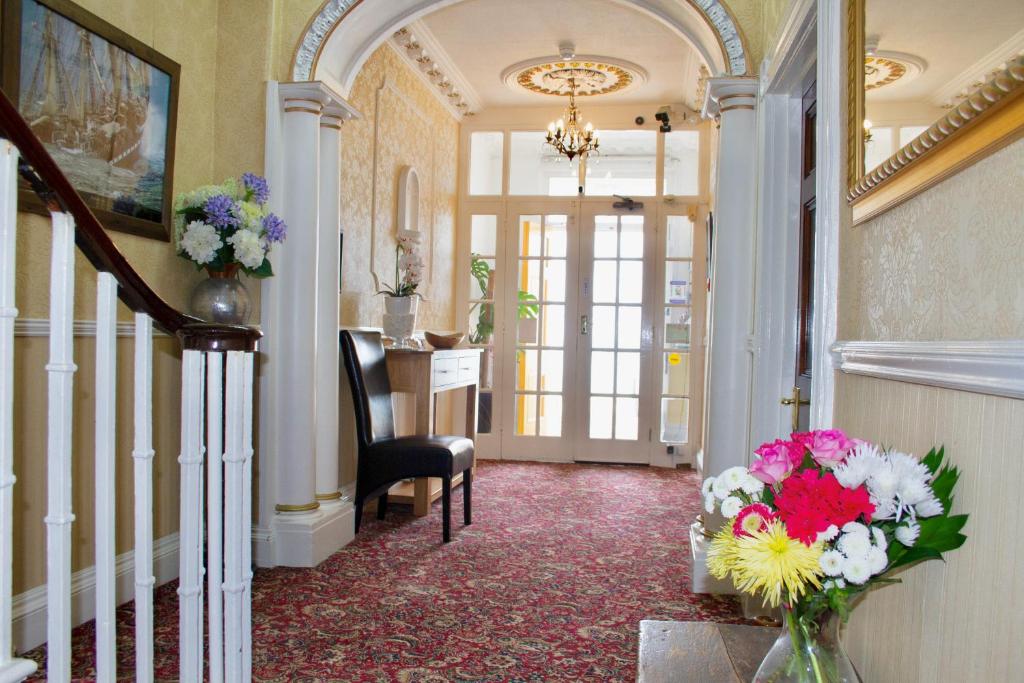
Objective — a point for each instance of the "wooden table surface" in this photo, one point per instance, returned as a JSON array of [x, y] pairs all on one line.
[[701, 652]]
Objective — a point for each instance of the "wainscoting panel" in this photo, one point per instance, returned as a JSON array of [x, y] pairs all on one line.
[[960, 620]]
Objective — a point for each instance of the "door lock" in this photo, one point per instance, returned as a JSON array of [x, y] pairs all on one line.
[[795, 401], [584, 325]]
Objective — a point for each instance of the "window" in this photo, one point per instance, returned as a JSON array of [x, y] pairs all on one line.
[[626, 164], [675, 355], [535, 167], [682, 163], [486, 154], [482, 280]]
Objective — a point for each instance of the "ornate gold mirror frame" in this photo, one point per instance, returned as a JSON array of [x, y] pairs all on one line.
[[991, 117]]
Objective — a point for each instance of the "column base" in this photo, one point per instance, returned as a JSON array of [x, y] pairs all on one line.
[[16, 670], [305, 539]]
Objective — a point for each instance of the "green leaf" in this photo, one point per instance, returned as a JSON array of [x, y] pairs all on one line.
[[263, 271], [943, 485], [934, 459]]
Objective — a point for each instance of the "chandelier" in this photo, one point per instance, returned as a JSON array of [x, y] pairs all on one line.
[[566, 136]]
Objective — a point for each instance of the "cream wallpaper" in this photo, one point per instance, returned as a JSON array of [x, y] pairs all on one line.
[[402, 125], [944, 265]]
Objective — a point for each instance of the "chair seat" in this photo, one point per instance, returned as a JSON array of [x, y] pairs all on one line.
[[422, 455]]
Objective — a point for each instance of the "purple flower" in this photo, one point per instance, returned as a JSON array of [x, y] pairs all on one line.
[[220, 212], [275, 228], [257, 186]]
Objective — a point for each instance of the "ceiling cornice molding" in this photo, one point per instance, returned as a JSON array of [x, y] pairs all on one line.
[[976, 74], [436, 68]]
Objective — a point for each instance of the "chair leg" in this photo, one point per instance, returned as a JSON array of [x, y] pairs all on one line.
[[446, 508], [467, 496], [359, 513], [382, 506]]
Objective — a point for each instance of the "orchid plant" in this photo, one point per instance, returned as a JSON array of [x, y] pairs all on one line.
[[228, 227], [408, 266], [820, 518]]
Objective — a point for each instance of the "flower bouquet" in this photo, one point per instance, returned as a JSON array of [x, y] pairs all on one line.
[[814, 523], [400, 303], [227, 227]]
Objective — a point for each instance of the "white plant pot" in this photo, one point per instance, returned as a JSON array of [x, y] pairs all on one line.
[[400, 318]]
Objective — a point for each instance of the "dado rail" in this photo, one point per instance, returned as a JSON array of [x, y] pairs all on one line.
[[216, 430]]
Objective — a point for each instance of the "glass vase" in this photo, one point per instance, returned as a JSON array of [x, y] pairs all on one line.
[[221, 298], [808, 650]]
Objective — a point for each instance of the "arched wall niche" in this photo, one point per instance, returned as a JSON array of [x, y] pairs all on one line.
[[344, 33]]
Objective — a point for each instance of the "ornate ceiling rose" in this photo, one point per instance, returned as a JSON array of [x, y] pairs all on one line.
[[885, 68], [592, 74]]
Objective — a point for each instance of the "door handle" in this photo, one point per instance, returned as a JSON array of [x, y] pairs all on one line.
[[795, 401], [584, 325]]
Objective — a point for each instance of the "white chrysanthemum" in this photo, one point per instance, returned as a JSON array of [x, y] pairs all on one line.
[[828, 534], [705, 488], [884, 509], [883, 483], [856, 570], [752, 486], [834, 583], [248, 248], [731, 506], [201, 242], [709, 503], [734, 477], [908, 467], [831, 563], [907, 533], [877, 560], [854, 545], [913, 490], [855, 528], [721, 488], [879, 535], [861, 464], [929, 507]]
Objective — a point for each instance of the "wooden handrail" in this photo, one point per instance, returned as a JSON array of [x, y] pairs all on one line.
[[55, 190]]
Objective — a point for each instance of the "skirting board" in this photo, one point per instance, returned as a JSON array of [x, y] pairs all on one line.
[[985, 367], [29, 608]]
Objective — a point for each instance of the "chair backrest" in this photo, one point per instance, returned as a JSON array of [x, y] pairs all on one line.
[[371, 388]]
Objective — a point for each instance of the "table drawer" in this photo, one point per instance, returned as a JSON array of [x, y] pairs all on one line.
[[469, 368], [446, 371]]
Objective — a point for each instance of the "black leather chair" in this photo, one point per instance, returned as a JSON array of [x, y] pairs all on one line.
[[385, 458]]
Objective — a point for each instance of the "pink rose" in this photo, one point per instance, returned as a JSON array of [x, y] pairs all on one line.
[[828, 447], [776, 461]]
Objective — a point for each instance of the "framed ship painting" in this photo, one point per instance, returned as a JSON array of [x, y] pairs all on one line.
[[105, 106]]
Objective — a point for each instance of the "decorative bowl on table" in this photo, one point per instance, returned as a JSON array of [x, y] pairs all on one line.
[[444, 341]]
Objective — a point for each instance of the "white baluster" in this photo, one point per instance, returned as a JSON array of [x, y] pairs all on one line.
[[11, 669], [214, 511], [106, 482], [247, 397], [59, 517], [142, 454], [234, 475], [190, 580]]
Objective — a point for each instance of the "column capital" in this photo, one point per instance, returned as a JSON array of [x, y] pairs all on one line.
[[316, 97], [728, 93]]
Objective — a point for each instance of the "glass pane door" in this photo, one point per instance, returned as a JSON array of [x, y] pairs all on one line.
[[615, 336]]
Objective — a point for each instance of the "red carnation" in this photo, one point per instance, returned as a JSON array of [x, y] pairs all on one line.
[[809, 504]]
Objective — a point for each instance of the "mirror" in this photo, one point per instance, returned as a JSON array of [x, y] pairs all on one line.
[[930, 73]]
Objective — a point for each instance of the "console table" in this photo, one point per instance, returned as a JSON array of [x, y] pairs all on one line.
[[426, 373], [689, 651]]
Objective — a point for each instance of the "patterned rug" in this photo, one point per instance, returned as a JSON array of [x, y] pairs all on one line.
[[548, 584]]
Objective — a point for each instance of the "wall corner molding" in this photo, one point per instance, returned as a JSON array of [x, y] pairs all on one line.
[[994, 367]]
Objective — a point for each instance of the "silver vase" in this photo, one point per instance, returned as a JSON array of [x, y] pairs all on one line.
[[221, 298]]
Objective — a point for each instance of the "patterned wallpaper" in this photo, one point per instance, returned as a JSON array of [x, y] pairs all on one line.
[[404, 125], [945, 264]]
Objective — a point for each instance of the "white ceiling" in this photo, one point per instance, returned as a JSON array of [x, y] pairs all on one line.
[[954, 38], [484, 37]]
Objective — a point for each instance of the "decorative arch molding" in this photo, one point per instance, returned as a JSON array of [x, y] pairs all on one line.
[[730, 57]]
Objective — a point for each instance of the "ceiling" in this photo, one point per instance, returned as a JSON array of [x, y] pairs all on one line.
[[484, 37], [953, 38]]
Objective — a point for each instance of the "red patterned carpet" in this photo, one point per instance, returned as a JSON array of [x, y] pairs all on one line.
[[548, 584]]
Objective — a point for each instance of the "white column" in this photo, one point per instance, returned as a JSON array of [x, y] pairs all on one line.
[[296, 315], [328, 287], [730, 357]]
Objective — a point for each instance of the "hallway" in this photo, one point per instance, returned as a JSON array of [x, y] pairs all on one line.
[[548, 584]]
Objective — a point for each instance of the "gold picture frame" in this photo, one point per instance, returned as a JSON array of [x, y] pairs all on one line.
[[989, 118]]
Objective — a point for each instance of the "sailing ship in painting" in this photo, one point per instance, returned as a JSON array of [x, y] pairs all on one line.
[[98, 111]]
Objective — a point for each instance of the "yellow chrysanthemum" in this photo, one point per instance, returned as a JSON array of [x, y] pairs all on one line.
[[722, 553], [768, 561]]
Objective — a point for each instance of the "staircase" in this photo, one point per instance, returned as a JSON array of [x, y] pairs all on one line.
[[216, 419]]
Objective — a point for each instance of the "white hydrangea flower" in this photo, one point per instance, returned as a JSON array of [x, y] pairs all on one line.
[[856, 570], [752, 486], [854, 545], [248, 248], [877, 560], [831, 562], [929, 507], [705, 488], [252, 217], [201, 242], [828, 534], [731, 506], [907, 533]]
